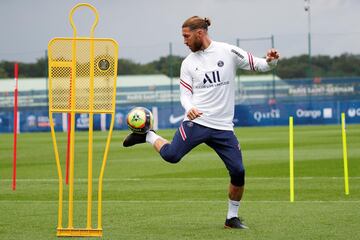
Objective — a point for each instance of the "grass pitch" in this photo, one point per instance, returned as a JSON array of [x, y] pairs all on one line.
[[147, 198]]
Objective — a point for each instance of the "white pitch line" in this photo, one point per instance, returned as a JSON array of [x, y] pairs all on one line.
[[169, 179]]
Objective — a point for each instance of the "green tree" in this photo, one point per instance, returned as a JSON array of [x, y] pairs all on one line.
[[345, 65], [8, 67], [129, 67], [3, 73], [163, 65]]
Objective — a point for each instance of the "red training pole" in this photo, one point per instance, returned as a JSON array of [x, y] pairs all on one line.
[[15, 124]]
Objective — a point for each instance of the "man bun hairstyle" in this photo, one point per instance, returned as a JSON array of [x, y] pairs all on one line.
[[197, 22]]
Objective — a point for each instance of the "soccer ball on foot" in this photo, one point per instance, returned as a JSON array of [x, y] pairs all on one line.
[[140, 120]]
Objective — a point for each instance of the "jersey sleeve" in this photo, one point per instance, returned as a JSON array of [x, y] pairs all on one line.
[[186, 90], [247, 61]]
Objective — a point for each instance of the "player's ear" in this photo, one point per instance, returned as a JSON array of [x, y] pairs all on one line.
[[199, 33]]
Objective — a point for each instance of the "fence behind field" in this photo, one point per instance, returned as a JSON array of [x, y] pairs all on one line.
[[260, 100]]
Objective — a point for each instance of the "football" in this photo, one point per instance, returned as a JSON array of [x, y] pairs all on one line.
[[140, 120]]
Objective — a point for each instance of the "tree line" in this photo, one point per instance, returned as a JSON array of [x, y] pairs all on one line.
[[294, 67]]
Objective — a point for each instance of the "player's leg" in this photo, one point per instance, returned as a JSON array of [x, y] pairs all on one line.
[[235, 192], [227, 147], [188, 136], [150, 137]]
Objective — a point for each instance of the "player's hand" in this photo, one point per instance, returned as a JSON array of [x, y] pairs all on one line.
[[194, 113], [272, 54]]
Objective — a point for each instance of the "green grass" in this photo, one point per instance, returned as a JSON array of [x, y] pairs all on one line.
[[147, 198]]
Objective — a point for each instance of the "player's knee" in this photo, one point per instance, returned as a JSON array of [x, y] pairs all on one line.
[[237, 178], [171, 158], [168, 155]]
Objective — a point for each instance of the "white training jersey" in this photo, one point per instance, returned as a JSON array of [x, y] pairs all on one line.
[[207, 82]]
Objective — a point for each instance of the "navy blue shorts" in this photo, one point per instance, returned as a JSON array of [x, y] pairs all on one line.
[[191, 134]]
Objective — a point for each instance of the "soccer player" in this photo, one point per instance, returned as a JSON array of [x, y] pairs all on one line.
[[207, 92]]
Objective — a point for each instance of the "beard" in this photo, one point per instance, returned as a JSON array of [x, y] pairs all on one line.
[[196, 46]]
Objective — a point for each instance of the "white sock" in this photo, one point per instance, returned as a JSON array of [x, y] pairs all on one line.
[[233, 209], [151, 137]]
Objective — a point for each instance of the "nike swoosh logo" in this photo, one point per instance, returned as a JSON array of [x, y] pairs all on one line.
[[174, 120]]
